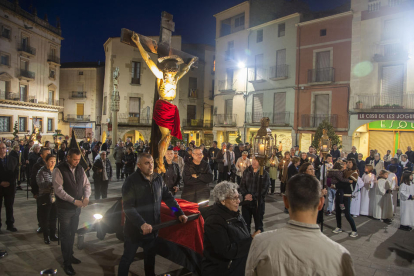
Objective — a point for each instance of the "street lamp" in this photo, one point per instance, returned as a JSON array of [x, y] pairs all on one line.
[[324, 146], [241, 65], [262, 150]]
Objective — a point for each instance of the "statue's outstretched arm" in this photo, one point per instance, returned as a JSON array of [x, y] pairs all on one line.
[[185, 69], [158, 74]]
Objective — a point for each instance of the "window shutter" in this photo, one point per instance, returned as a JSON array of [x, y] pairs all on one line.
[[281, 57], [257, 107], [79, 110], [134, 105], [381, 141], [323, 59], [279, 108], [392, 84], [322, 104], [229, 107]]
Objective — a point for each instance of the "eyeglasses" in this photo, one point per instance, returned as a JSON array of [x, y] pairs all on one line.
[[198, 154], [236, 198]]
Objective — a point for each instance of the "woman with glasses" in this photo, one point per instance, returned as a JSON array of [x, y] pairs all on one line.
[[226, 237]]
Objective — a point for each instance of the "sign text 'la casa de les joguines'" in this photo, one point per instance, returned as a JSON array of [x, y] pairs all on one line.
[[386, 116], [392, 125]]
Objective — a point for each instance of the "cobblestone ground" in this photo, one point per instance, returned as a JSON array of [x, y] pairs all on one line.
[[380, 249]]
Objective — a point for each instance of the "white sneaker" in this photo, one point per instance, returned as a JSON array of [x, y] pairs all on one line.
[[337, 230], [353, 234]]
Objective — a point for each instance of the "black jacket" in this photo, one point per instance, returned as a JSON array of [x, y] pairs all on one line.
[[249, 185], [352, 155], [226, 242], [142, 204], [335, 155], [36, 167], [196, 189], [8, 173], [292, 170], [98, 165], [129, 162], [173, 179]]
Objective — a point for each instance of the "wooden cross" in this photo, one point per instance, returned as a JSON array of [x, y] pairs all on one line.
[[161, 48]]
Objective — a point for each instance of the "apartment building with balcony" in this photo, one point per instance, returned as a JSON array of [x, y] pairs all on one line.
[[81, 92], [196, 96], [29, 71], [382, 85], [323, 76]]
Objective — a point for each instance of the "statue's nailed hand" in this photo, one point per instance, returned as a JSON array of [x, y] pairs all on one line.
[[193, 60], [135, 37]]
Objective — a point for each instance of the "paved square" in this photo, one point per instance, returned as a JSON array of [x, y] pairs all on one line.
[[380, 249]]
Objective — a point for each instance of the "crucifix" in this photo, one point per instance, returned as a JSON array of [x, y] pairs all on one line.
[[166, 119]]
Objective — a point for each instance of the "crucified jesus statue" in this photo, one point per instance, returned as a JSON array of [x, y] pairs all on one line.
[[165, 113]]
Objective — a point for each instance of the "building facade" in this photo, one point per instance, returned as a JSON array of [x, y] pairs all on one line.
[[81, 92], [381, 105], [323, 76], [137, 87], [29, 72]]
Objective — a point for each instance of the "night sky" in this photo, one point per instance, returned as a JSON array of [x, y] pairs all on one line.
[[87, 24]]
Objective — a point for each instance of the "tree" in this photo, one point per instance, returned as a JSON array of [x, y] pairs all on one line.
[[238, 138], [16, 130], [331, 134]]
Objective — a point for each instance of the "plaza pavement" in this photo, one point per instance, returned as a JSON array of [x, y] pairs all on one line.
[[380, 249]]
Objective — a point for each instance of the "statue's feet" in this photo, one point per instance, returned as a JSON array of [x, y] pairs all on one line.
[[160, 168]]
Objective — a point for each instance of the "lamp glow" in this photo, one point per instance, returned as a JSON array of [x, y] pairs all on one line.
[[241, 65], [98, 216]]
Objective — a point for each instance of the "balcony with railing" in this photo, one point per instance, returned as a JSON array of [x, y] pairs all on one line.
[[225, 120], [279, 72], [25, 74], [227, 86], [26, 49], [321, 75], [6, 95], [196, 123], [257, 74], [98, 120], [314, 120], [276, 118], [391, 52], [383, 102], [192, 93], [78, 118], [53, 59], [133, 119], [77, 95]]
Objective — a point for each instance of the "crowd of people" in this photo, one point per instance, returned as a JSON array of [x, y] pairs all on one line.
[[353, 186]]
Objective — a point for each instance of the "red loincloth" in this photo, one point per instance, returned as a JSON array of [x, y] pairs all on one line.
[[166, 115]]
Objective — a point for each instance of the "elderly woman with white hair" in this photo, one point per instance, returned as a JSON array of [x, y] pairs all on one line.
[[377, 164], [102, 174], [226, 237]]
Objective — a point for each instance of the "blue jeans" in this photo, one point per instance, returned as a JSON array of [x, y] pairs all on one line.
[[331, 198]]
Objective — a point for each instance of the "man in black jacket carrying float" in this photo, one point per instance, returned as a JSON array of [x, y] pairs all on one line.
[[197, 176], [142, 194]]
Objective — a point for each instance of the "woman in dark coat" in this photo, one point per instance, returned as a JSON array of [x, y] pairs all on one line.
[[226, 237], [129, 162]]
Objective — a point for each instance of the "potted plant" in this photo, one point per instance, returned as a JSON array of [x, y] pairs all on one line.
[[358, 105]]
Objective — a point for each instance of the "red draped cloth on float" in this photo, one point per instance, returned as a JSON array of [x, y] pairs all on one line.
[[190, 234], [166, 115]]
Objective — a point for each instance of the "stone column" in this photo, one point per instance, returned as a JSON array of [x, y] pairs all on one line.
[[114, 118]]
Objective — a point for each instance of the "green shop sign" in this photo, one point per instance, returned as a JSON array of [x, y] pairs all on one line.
[[392, 125]]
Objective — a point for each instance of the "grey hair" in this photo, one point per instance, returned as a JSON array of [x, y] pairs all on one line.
[[35, 146], [223, 190], [377, 154]]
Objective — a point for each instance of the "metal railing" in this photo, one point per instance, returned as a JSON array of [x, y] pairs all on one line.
[[78, 118], [26, 48], [314, 120], [256, 74], [321, 75], [77, 94], [395, 3], [279, 71], [227, 85], [390, 52], [26, 74], [208, 123], [192, 122], [276, 118], [382, 101], [7, 95], [98, 120], [53, 58], [374, 6], [192, 93], [225, 119], [135, 81], [127, 119]]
